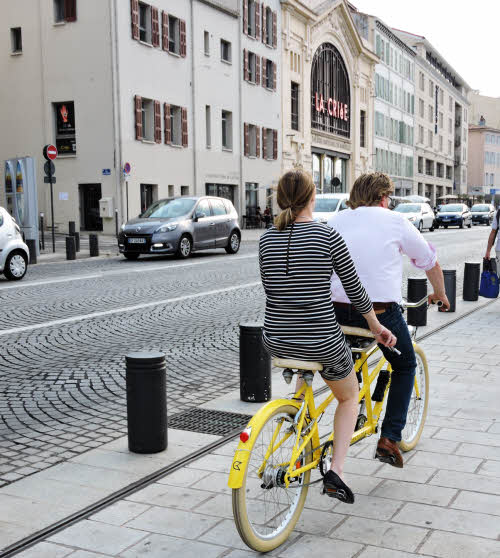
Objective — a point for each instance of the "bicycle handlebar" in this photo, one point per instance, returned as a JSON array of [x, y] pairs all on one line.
[[421, 302]]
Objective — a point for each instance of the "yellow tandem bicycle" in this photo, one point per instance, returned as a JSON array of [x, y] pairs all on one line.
[[271, 469]]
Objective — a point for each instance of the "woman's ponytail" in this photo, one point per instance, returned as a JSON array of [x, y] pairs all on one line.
[[295, 189], [285, 218]]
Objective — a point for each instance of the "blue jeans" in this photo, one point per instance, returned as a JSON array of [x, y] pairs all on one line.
[[403, 365]]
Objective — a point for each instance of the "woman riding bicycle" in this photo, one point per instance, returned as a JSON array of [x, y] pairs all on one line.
[[297, 258]]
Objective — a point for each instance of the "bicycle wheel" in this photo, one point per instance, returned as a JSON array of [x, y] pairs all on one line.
[[417, 411], [265, 510]]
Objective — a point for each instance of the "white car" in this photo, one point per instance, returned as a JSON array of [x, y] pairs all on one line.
[[419, 214], [327, 205], [14, 254]]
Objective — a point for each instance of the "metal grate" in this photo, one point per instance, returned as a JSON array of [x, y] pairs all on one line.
[[207, 421]]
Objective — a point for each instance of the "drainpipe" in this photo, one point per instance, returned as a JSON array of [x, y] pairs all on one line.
[[117, 128], [241, 195], [193, 100]]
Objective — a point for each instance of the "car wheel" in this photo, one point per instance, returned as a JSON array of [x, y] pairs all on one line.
[[233, 243], [185, 247], [431, 228], [436, 227], [420, 226], [469, 225], [16, 266], [131, 255], [445, 226]]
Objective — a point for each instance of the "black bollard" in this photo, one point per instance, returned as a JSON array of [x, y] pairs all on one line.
[[146, 381], [450, 288], [31, 243], [93, 245], [42, 232], [70, 248], [417, 289], [76, 236], [255, 365], [71, 228], [471, 281]]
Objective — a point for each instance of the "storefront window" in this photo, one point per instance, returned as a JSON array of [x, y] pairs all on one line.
[[327, 174], [317, 171], [221, 191], [251, 191]]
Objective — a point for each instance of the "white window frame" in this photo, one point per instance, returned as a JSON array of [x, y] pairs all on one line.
[[269, 74], [59, 11], [227, 130], [174, 35], [148, 119], [176, 125], [226, 45], [206, 43], [252, 140], [269, 26], [252, 67], [145, 31], [208, 126], [252, 24], [16, 40], [269, 139]]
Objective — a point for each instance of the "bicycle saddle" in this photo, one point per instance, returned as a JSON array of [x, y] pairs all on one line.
[[297, 364]]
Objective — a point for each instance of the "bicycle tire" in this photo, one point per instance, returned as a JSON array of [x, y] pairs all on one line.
[[251, 499], [417, 412]]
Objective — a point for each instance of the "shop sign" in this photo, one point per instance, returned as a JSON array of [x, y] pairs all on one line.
[[332, 106]]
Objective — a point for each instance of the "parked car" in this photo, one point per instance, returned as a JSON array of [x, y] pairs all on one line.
[[419, 214], [482, 214], [181, 226], [14, 254], [328, 205], [454, 215]]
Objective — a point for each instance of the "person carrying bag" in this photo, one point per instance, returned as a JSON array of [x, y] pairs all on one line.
[[489, 286]]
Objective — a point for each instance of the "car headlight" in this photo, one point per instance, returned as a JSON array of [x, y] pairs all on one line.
[[167, 228], [123, 227]]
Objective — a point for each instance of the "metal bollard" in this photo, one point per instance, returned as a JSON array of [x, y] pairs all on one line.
[[93, 245], [76, 236], [31, 243], [42, 231], [450, 288], [417, 289], [70, 248], [471, 281], [71, 228], [146, 381], [255, 365]]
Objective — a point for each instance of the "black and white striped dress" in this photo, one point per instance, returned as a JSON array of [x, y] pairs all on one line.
[[296, 266]]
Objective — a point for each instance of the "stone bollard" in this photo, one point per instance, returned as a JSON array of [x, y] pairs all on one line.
[[93, 245], [146, 381], [70, 248], [255, 365]]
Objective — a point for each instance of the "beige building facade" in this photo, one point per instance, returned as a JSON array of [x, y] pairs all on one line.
[[484, 110], [327, 93], [484, 160], [441, 112]]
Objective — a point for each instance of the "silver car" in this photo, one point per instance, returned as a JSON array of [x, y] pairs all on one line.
[[419, 214], [181, 226], [14, 254]]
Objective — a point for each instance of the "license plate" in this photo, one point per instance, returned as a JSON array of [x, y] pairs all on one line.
[[137, 241]]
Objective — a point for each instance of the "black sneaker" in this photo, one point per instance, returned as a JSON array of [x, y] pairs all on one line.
[[335, 487]]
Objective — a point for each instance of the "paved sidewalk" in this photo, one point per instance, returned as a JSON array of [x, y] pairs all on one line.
[[444, 503]]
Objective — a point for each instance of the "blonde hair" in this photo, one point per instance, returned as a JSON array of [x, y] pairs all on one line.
[[294, 192], [369, 189]]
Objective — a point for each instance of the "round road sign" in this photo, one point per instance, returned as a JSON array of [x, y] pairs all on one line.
[[126, 168], [50, 152]]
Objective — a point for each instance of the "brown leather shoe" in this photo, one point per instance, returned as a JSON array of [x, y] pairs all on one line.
[[388, 452]]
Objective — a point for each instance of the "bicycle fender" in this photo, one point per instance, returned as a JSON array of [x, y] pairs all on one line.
[[242, 454]]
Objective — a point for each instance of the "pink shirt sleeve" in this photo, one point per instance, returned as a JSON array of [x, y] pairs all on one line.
[[421, 253]]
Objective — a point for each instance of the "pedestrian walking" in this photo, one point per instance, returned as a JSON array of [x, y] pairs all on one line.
[[491, 239]]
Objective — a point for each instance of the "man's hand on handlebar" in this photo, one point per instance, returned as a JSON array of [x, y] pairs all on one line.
[[436, 298], [385, 337]]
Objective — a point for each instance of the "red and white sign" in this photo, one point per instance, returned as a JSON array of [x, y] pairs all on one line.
[[332, 106], [50, 152]]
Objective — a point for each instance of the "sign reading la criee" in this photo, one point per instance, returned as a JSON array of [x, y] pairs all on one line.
[[334, 108]]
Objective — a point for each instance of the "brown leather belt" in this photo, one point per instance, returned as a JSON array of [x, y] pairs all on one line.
[[379, 307]]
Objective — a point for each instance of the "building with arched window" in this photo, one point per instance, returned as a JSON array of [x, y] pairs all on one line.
[[327, 93]]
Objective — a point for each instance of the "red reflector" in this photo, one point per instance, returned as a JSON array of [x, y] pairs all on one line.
[[244, 436]]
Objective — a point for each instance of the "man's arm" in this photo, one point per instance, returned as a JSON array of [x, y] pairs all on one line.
[[491, 241], [435, 276]]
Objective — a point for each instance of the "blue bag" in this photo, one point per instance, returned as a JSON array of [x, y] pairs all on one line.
[[489, 286]]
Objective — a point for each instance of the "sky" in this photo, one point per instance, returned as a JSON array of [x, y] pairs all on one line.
[[466, 34]]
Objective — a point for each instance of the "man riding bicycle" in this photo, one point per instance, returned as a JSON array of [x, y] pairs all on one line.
[[376, 239]]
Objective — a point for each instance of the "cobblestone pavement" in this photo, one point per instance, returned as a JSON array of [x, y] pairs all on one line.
[[62, 384]]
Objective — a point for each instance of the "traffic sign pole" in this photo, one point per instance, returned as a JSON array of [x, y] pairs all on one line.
[[50, 153]]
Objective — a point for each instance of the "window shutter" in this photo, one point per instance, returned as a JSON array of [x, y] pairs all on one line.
[[264, 143], [134, 7], [245, 65], [257, 69], [275, 30], [264, 34], [274, 76], [164, 30], [275, 144], [70, 10], [157, 122], [257, 20], [168, 123], [184, 127], [247, 140], [182, 27], [245, 17], [138, 117], [155, 27], [257, 141], [264, 71]]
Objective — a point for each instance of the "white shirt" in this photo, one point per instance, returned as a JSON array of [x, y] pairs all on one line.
[[376, 238]]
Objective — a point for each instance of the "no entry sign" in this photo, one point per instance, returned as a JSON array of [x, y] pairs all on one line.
[[50, 152]]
